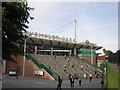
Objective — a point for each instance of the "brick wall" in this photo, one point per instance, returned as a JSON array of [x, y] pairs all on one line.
[[101, 57], [30, 68], [89, 59]]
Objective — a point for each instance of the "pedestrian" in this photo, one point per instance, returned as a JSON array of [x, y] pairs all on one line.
[[55, 57], [95, 72], [102, 82], [85, 76], [72, 81], [76, 76], [72, 66], [80, 80], [16, 75], [59, 83], [65, 68], [82, 67], [65, 56], [104, 70], [69, 75], [90, 77], [97, 75], [68, 58], [68, 64]]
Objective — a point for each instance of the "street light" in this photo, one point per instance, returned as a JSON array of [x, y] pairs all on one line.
[[90, 44], [91, 54], [24, 56]]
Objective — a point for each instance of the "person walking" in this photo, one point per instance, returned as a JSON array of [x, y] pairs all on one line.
[[65, 56], [72, 81], [82, 67], [95, 72], [72, 66], [55, 56], [16, 75], [80, 80], [85, 76], [90, 77], [68, 59], [65, 68], [59, 83], [97, 75], [102, 82], [69, 75]]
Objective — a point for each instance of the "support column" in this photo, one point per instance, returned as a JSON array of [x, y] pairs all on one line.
[[35, 49], [51, 51], [70, 52], [3, 66], [91, 56], [75, 51]]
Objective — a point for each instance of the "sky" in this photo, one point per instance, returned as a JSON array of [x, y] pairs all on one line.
[[96, 21]]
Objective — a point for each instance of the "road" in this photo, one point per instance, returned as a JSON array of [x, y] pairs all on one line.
[[28, 82]]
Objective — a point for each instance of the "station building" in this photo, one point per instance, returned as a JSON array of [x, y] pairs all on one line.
[[43, 44], [55, 45]]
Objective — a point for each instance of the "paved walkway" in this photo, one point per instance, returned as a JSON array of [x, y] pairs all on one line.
[[27, 82]]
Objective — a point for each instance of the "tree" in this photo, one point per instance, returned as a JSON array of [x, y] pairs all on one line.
[[15, 16], [107, 52]]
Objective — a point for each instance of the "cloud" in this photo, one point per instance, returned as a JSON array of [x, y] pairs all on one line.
[[100, 29]]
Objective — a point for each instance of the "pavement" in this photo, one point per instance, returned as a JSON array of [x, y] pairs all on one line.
[[30, 82]]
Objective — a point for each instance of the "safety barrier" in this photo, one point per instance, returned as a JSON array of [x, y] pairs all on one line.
[[97, 67], [52, 73]]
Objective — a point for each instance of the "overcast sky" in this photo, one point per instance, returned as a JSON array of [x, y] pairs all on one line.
[[96, 21]]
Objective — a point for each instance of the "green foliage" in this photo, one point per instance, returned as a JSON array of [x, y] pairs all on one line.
[[14, 19], [112, 77], [107, 52], [102, 65]]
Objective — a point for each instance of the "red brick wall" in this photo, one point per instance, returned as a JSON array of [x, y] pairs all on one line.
[[89, 59], [101, 57], [30, 67], [10, 65]]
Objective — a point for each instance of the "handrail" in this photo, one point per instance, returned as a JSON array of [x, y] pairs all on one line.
[[85, 61], [40, 65]]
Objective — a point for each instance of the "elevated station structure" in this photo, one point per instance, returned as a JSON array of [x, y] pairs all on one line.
[[54, 45]]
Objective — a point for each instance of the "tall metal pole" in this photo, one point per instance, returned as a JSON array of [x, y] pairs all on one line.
[[91, 55], [24, 57], [75, 21]]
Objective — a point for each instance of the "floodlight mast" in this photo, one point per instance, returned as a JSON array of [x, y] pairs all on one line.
[[75, 23]]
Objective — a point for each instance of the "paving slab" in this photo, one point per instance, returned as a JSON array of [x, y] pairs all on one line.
[[28, 82]]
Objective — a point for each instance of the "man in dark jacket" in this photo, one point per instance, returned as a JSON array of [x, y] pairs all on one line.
[[72, 81], [102, 82], [59, 83]]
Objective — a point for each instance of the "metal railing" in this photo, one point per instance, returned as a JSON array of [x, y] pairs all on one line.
[[93, 65], [51, 72]]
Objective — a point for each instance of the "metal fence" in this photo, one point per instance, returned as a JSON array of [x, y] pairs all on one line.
[[51, 72]]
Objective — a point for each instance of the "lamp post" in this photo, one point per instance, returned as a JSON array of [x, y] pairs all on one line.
[[24, 56], [90, 44], [91, 54]]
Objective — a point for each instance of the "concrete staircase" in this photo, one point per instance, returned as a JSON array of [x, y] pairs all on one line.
[[57, 65]]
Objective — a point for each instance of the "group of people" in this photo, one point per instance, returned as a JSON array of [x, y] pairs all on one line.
[[72, 80]]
